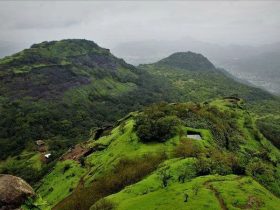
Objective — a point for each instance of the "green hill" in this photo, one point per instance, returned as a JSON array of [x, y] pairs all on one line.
[[70, 91], [59, 90], [233, 166], [196, 78], [187, 60]]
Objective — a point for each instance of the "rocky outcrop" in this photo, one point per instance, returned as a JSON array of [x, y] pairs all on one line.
[[80, 151], [13, 192]]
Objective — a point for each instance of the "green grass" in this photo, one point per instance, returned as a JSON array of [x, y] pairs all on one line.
[[120, 145], [149, 193], [240, 193], [59, 183], [116, 88], [25, 159], [233, 190], [124, 143]]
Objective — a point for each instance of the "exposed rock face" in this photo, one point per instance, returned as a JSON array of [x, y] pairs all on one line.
[[13, 192]]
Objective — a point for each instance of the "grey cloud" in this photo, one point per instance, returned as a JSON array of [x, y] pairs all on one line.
[[112, 22], [45, 24]]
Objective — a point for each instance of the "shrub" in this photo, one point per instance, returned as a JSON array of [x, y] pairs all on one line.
[[237, 163], [156, 129], [66, 168], [186, 173], [264, 173], [164, 176], [103, 204], [187, 148], [203, 166], [257, 168], [218, 162]]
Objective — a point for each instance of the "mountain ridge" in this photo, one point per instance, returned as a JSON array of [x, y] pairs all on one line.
[[66, 88], [73, 61]]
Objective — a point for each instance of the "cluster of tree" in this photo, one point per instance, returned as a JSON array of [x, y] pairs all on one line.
[[23, 121], [154, 125], [160, 122]]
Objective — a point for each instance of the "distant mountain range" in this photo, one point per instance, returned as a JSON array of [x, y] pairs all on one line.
[[258, 65]]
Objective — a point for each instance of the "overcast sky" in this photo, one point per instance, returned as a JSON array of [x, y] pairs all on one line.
[[109, 23]]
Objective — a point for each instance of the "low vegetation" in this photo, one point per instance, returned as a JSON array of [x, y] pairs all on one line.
[[125, 173], [204, 192], [162, 121], [187, 148], [103, 204], [132, 167]]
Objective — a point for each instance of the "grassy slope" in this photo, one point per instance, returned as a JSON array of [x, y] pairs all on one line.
[[254, 140], [243, 192], [149, 193], [58, 91], [122, 143], [208, 192], [60, 182], [26, 159], [205, 85]]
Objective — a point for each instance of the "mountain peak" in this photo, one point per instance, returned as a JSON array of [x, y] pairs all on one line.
[[69, 47], [187, 60], [48, 69], [51, 53], [65, 41]]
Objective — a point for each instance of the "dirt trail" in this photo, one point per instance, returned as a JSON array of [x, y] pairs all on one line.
[[217, 194], [76, 152], [209, 186]]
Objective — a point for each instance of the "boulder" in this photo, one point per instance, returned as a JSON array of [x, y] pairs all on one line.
[[13, 192]]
